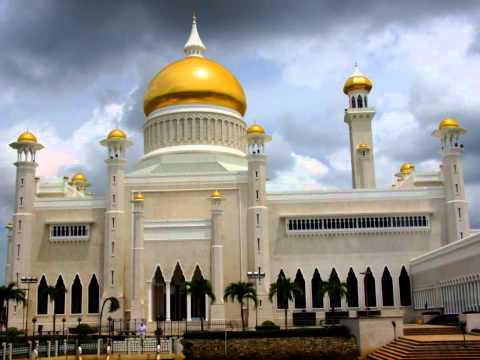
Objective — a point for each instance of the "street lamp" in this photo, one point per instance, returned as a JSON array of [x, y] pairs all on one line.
[[257, 275], [28, 280], [365, 290]]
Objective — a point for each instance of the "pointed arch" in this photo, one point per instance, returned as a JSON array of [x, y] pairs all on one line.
[[335, 301], [387, 288], [369, 286], [42, 297], [360, 101], [59, 304], [282, 302], [317, 300], [198, 302], [76, 296], [93, 296], [178, 295], [159, 295], [365, 101], [354, 103], [300, 300], [405, 290], [352, 285]]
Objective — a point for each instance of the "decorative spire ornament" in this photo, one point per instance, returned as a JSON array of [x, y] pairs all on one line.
[[194, 45]]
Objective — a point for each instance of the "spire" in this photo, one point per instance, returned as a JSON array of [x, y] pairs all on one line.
[[194, 45], [356, 70]]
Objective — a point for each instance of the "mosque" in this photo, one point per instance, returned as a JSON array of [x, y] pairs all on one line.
[[196, 206]]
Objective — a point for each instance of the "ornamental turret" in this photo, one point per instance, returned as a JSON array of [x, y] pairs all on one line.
[[359, 116], [27, 147], [258, 261], [115, 245], [458, 221]]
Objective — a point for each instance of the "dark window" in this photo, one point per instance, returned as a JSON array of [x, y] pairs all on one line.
[[369, 286], [159, 296], [77, 296], [354, 103], [360, 101], [335, 301], [282, 299], [387, 288], [178, 295], [59, 304], [42, 297], [405, 292], [366, 103], [352, 285], [198, 302], [317, 300], [300, 302], [93, 296]]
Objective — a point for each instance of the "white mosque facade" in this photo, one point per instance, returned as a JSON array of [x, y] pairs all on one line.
[[196, 205]]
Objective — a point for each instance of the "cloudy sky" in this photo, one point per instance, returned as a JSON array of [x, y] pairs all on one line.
[[72, 70]]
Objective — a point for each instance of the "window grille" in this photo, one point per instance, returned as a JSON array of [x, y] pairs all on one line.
[[69, 232]]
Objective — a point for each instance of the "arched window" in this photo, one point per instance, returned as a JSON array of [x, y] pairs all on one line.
[[59, 304], [93, 296], [178, 295], [317, 300], [405, 291], [354, 103], [335, 301], [387, 288], [159, 296], [76, 296], [42, 297], [198, 302], [282, 301], [300, 302], [365, 101], [369, 286], [352, 285], [359, 101]]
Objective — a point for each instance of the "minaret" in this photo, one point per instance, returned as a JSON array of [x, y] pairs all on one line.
[[27, 147], [137, 305], [458, 220], [359, 118], [194, 45], [217, 309], [115, 228], [257, 213]]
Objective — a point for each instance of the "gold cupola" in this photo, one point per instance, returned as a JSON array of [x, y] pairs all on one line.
[[407, 168], [79, 181], [194, 80], [138, 197], [256, 129], [216, 195], [448, 123], [117, 134], [27, 137], [357, 81]]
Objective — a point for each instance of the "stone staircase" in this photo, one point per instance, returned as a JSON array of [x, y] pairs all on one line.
[[435, 347], [431, 330]]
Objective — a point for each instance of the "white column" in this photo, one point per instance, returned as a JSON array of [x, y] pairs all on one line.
[[167, 297], [308, 294], [189, 307], [149, 315], [361, 292], [207, 303]]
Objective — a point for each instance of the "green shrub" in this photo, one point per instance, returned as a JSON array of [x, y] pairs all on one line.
[[83, 329], [13, 331], [268, 325]]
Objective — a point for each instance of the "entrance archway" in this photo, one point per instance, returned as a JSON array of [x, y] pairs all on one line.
[[178, 295], [159, 296]]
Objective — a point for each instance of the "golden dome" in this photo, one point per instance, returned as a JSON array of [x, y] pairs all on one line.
[[216, 194], [79, 178], [357, 81], [194, 80], [117, 134], [448, 123], [256, 129], [139, 196], [363, 147], [407, 168], [27, 137]]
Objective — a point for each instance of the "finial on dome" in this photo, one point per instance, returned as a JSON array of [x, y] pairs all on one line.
[[194, 45]]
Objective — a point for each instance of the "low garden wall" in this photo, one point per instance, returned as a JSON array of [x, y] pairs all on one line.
[[308, 344]]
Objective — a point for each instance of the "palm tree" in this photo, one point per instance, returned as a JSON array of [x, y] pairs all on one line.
[[198, 288], [335, 290], [54, 293], [114, 306], [8, 293], [241, 291], [286, 290]]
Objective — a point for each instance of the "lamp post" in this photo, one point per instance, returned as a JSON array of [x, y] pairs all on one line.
[[28, 280], [257, 275], [365, 290]]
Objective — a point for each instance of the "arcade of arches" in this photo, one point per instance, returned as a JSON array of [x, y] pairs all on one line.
[[180, 304], [370, 287]]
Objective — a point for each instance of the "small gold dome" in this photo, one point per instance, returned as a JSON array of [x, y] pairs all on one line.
[[256, 129], [194, 80], [79, 178], [407, 168], [363, 147], [117, 134], [27, 137], [216, 194], [448, 123], [139, 196], [357, 81]]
